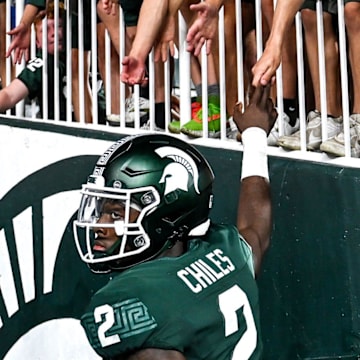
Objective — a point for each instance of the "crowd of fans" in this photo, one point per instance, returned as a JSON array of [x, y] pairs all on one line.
[[143, 31]]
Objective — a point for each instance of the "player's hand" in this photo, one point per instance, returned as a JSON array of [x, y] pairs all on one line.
[[20, 43], [166, 43], [265, 68], [259, 113], [110, 6], [203, 28], [133, 71]]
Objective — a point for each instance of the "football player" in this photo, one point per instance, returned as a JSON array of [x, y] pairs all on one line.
[[183, 287]]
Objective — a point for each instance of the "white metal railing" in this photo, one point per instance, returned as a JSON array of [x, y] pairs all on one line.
[[185, 89]]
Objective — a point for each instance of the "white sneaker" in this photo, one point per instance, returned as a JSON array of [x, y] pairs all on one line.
[[288, 129], [313, 132], [144, 104], [114, 119], [292, 142], [146, 126], [130, 110], [336, 145]]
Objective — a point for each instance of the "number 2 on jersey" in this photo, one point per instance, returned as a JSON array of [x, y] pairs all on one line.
[[230, 301], [108, 311], [34, 64]]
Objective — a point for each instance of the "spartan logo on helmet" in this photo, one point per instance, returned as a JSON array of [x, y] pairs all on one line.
[[176, 174]]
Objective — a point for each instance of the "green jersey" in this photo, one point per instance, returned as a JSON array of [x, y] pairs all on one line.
[[32, 77], [203, 303]]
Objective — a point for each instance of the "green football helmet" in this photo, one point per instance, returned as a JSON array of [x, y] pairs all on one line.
[[165, 180]]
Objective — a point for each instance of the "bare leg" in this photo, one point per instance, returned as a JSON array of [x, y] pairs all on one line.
[[289, 68], [331, 60], [115, 69], [212, 59], [112, 25], [249, 61], [76, 96], [352, 20], [232, 91], [2, 42]]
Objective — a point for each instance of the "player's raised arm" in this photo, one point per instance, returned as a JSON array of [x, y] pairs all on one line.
[[254, 211]]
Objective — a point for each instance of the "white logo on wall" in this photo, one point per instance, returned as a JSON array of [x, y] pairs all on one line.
[[54, 339]]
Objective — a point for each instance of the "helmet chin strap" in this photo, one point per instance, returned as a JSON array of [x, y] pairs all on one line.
[[104, 267], [180, 234], [109, 251], [113, 247], [100, 268]]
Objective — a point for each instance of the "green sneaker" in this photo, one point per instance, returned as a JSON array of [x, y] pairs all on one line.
[[194, 127], [174, 127]]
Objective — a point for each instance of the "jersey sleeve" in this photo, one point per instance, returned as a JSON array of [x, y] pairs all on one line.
[[115, 328], [31, 76]]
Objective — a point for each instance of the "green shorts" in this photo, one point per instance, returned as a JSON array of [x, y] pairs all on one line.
[[329, 6], [86, 31], [131, 10], [41, 4]]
